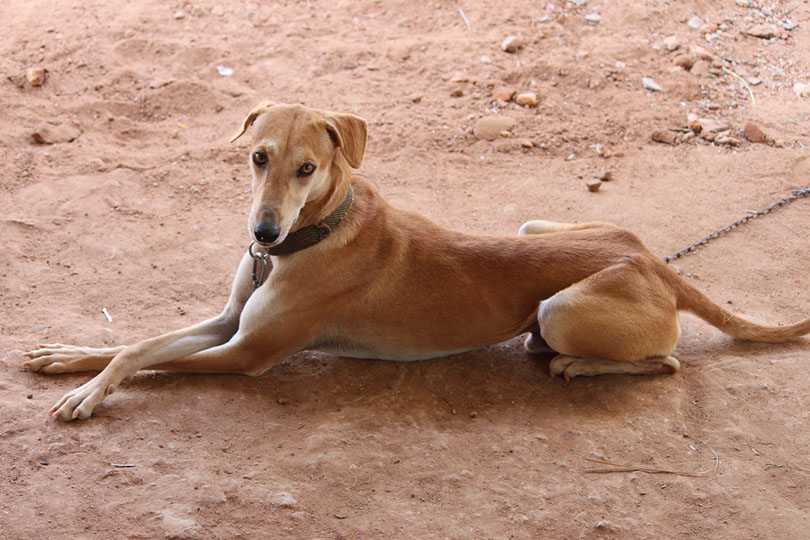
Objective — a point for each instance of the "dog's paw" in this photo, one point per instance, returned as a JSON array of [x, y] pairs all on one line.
[[80, 402], [559, 366], [60, 358]]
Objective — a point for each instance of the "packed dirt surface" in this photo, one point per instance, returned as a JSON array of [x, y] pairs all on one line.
[[139, 207]]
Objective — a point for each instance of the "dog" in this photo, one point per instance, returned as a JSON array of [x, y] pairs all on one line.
[[334, 267]]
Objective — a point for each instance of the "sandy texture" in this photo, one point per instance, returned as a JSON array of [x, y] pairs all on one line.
[[144, 214]]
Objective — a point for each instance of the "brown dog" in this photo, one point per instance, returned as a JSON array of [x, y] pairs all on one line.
[[352, 275]]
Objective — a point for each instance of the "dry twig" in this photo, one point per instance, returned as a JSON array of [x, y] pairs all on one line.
[[651, 470]]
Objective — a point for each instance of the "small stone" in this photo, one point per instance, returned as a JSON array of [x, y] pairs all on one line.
[[526, 99], [457, 92], [282, 401], [710, 125], [695, 23], [801, 89], [684, 61], [700, 68], [593, 185], [727, 140], [283, 499], [650, 84], [753, 133], [46, 133], [459, 77], [593, 18], [606, 176], [503, 93], [664, 136], [763, 31], [492, 127], [473, 414], [671, 43], [511, 44], [486, 60], [35, 76], [607, 527], [179, 15], [699, 52], [526, 143]]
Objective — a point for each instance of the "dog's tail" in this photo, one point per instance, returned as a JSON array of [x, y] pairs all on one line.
[[692, 300]]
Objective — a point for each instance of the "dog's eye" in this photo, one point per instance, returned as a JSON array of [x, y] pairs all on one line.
[[260, 158], [306, 169]]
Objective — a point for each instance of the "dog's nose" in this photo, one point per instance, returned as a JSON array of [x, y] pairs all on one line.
[[266, 233]]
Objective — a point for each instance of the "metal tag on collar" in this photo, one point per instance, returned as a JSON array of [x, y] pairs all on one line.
[[259, 274]]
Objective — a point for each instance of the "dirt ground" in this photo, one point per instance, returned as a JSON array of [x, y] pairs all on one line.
[[144, 214]]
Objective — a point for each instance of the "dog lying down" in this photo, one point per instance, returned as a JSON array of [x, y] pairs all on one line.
[[348, 273]]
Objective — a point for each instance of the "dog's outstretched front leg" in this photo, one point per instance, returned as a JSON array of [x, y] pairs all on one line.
[[119, 362]]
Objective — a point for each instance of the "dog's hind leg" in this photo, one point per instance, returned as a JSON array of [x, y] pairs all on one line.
[[622, 319], [572, 366]]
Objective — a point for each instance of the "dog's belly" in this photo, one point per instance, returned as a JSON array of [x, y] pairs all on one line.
[[345, 347]]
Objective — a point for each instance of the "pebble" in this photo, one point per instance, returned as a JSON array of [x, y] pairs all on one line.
[[695, 23], [650, 84], [664, 136], [35, 76], [457, 92], [503, 93], [727, 140], [593, 18], [700, 52], [526, 143], [459, 77], [801, 89], [46, 133], [700, 68], [764, 31], [672, 43], [754, 133], [283, 499], [684, 61], [179, 15], [526, 99], [511, 44], [593, 185], [492, 127], [709, 125]]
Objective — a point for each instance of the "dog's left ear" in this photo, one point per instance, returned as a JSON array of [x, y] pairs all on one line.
[[349, 132], [251, 117]]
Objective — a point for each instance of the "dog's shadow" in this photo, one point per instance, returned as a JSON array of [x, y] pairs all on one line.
[[491, 382]]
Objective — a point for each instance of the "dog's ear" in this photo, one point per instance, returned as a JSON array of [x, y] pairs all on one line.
[[349, 132], [251, 117]]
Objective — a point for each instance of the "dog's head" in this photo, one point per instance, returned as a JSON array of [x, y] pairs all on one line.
[[299, 157]]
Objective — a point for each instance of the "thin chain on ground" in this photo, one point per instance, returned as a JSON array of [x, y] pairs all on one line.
[[796, 194]]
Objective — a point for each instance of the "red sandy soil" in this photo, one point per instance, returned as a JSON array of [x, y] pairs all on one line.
[[144, 214]]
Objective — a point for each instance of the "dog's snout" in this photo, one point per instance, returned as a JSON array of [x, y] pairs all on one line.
[[266, 233]]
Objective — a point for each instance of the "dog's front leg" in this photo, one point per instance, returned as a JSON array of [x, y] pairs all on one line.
[[161, 350]]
